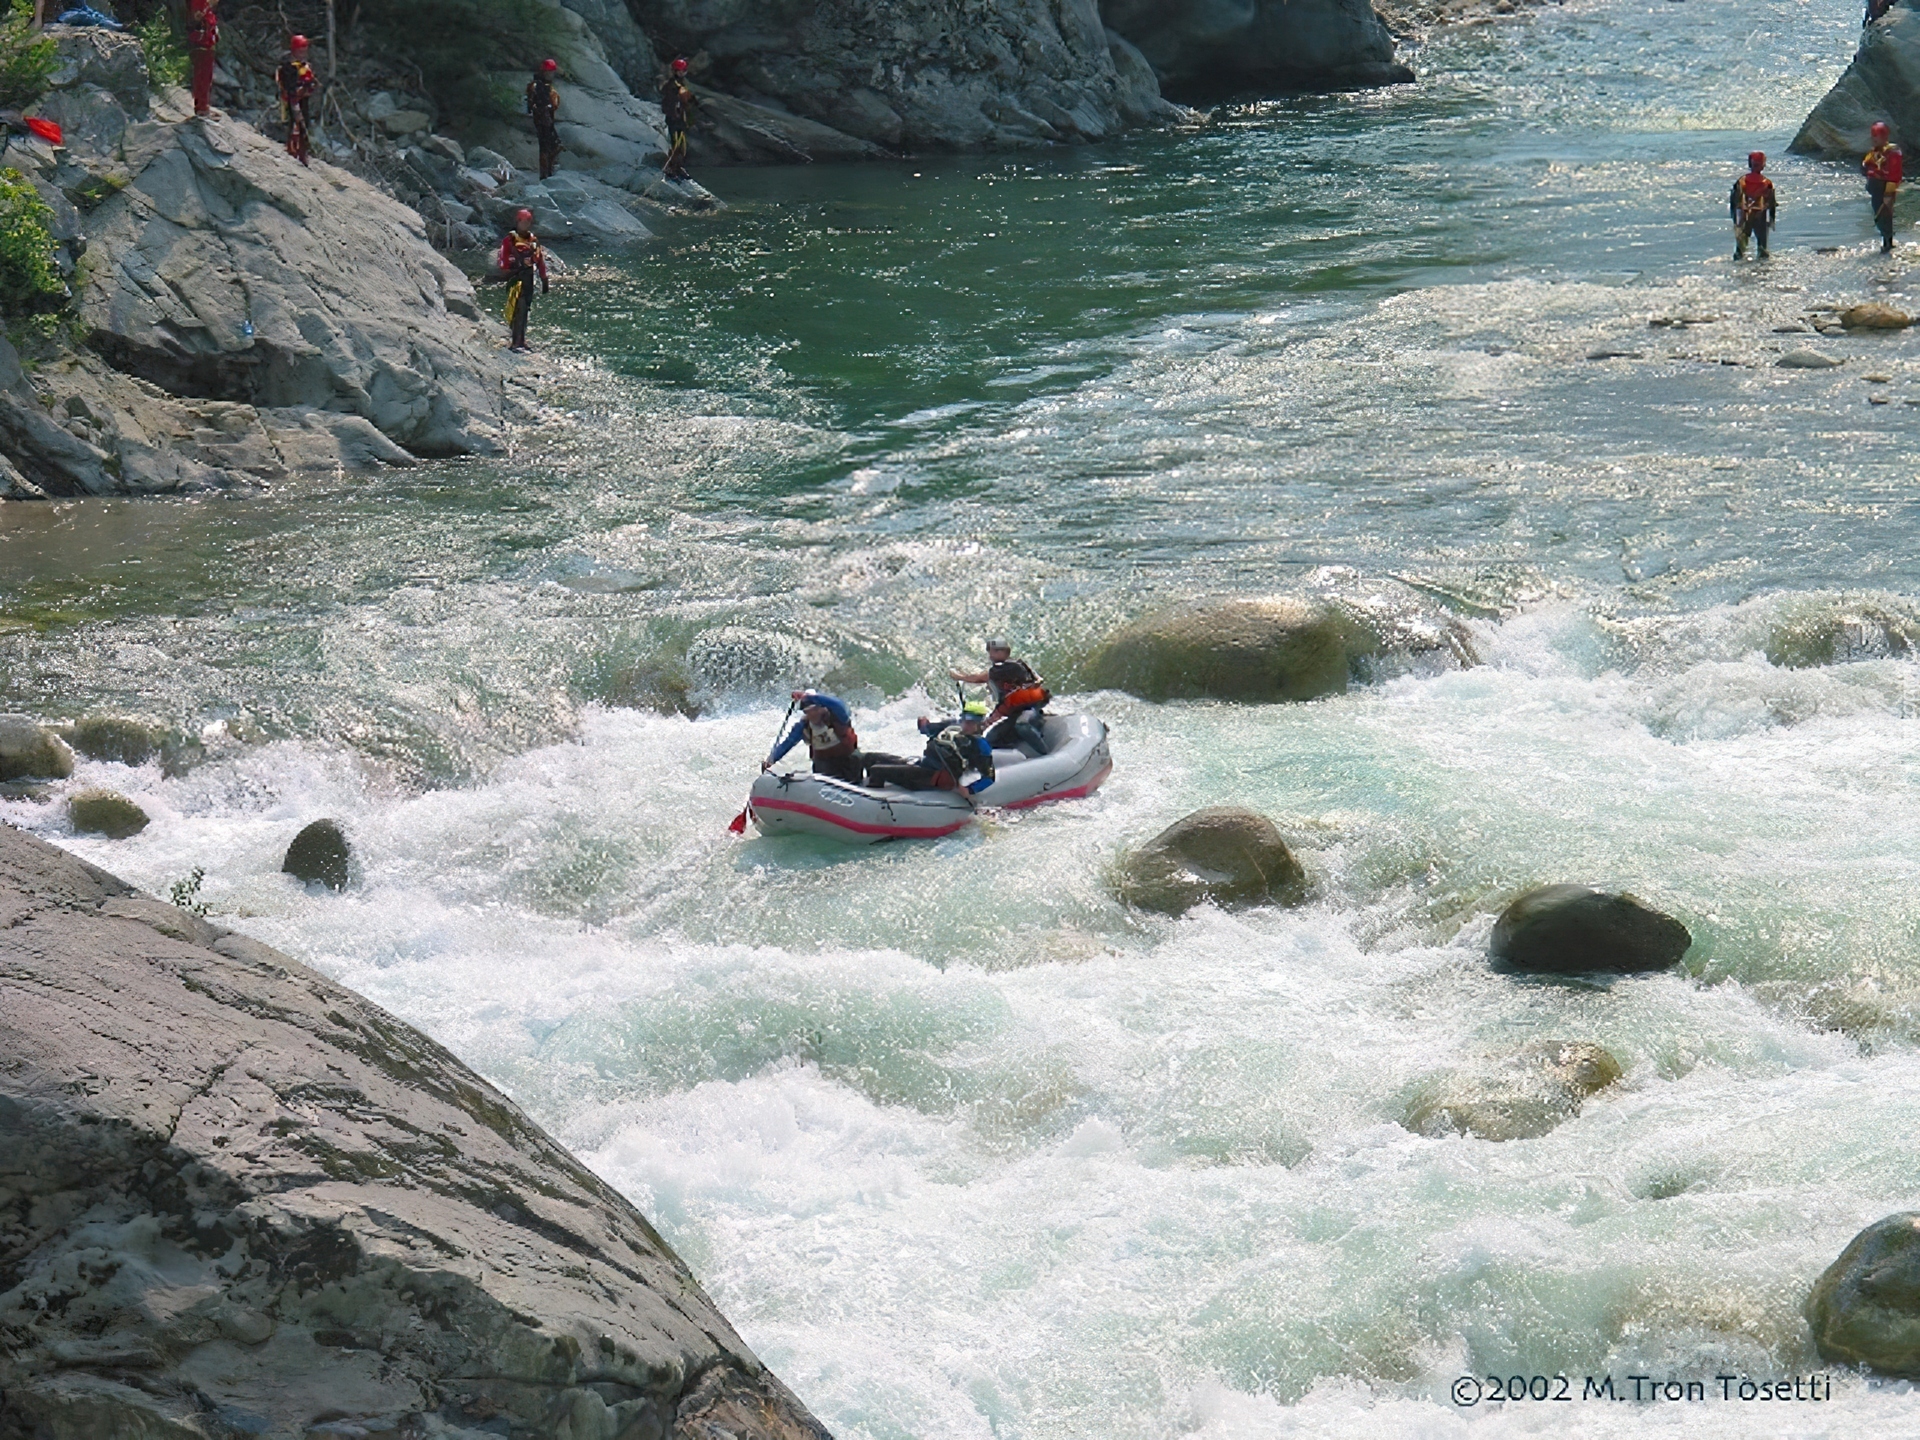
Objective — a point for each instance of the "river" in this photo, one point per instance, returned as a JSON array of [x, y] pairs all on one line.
[[963, 1147]]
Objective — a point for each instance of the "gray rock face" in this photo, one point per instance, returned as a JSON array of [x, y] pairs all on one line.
[[622, 40], [1249, 650], [239, 1199], [112, 60], [30, 751], [1882, 83], [1224, 854], [106, 812], [1203, 48], [1517, 1096], [1571, 930], [1865, 1308], [319, 855]]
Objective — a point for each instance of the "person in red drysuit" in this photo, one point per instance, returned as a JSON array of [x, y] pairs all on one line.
[[203, 34], [297, 83], [1883, 167], [521, 259], [1755, 207]]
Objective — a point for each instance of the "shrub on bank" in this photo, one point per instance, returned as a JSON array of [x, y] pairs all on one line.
[[30, 282], [457, 46], [27, 58], [165, 47]]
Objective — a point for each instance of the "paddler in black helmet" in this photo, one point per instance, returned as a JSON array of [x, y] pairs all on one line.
[[1019, 711], [826, 725]]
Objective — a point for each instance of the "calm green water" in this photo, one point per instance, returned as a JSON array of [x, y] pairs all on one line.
[[964, 1148]]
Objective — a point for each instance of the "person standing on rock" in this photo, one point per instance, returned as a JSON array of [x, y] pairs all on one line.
[[297, 83], [1883, 167], [521, 259], [543, 105], [1755, 207], [203, 34], [676, 105]]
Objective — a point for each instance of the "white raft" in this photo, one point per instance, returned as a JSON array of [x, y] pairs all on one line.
[[1076, 762]]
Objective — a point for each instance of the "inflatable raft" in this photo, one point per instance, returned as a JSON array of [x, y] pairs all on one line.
[[1075, 763]]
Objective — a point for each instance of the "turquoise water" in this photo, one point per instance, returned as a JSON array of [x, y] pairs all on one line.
[[963, 1147]]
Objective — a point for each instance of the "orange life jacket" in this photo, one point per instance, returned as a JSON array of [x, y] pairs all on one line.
[[1755, 192]]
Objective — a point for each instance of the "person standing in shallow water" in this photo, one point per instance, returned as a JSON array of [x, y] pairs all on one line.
[[203, 34], [676, 105], [543, 105], [297, 83], [1755, 207], [521, 259], [1883, 167]]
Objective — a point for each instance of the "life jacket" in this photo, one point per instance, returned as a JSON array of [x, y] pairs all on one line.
[[542, 101], [676, 101], [297, 82], [1883, 163], [951, 747], [520, 252], [203, 27], [1754, 191], [1025, 698], [826, 740]]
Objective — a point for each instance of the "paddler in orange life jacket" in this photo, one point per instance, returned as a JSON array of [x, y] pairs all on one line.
[[521, 258], [297, 83], [1755, 207], [543, 105], [1019, 712], [1883, 167], [203, 34], [826, 725]]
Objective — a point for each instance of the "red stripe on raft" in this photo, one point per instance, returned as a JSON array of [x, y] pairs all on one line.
[[1076, 794], [861, 827]]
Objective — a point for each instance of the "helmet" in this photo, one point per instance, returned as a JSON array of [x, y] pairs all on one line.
[[974, 710], [549, 65], [525, 217], [1879, 130], [298, 42], [999, 645], [680, 66], [1757, 161]]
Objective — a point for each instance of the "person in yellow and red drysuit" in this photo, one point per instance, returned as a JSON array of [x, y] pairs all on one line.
[[1883, 168], [676, 107], [297, 83], [543, 105], [1755, 207], [521, 259], [203, 34]]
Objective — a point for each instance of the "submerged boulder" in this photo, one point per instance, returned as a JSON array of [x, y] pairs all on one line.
[[1874, 315], [1283, 648], [1865, 1307], [1571, 930], [1225, 854], [106, 812], [319, 855], [1520, 1096], [242, 1200], [1837, 633], [30, 751]]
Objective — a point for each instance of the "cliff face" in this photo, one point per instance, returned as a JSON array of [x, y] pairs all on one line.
[[236, 1199], [1882, 83], [1202, 48]]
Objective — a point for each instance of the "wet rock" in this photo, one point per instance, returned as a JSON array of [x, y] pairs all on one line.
[[243, 1200], [30, 751], [1875, 315], [126, 740], [737, 132], [1250, 650], [1865, 1308], [105, 812], [1202, 51], [1518, 1096], [319, 855], [1805, 360], [1571, 930], [1835, 636], [1878, 85], [741, 660], [1224, 854], [87, 56]]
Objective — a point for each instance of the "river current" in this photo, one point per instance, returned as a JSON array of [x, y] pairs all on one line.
[[963, 1147]]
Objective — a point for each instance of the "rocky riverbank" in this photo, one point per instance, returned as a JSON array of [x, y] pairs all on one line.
[[1878, 85], [237, 1199]]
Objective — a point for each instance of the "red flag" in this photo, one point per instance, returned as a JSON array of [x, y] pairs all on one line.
[[739, 825], [46, 130]]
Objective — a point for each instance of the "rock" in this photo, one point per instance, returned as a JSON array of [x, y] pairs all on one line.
[[1878, 85], [1204, 49], [572, 205], [1865, 1307], [30, 751], [1805, 360], [1224, 854], [243, 1200], [105, 812], [736, 660], [1571, 930], [1250, 650], [1835, 635], [621, 40], [379, 105], [737, 132], [1874, 315], [443, 147], [319, 855], [491, 161], [111, 60], [405, 122], [118, 738], [1520, 1096]]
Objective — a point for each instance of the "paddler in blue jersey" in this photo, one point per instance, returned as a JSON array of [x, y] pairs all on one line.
[[953, 748], [826, 725]]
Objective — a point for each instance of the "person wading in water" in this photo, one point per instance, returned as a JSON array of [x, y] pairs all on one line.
[[521, 259], [297, 83], [543, 104], [1755, 207], [1883, 167], [676, 104]]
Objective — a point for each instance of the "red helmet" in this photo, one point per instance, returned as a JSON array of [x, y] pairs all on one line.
[[1879, 130], [1757, 161], [525, 217], [549, 64], [680, 66], [298, 42]]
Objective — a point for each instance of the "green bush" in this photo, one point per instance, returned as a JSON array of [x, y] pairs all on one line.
[[457, 46], [30, 282], [167, 63], [27, 58]]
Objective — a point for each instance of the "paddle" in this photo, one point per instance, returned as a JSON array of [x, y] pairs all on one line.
[[739, 825]]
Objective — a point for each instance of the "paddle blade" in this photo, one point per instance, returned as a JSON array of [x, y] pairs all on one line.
[[739, 825], [46, 130]]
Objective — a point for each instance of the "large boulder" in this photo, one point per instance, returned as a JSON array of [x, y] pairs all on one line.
[[114, 61], [105, 812], [1865, 1308], [1207, 48], [1882, 83], [128, 740], [1224, 854], [1571, 930], [1518, 1096], [1251, 650], [30, 751], [241, 1200], [319, 855]]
